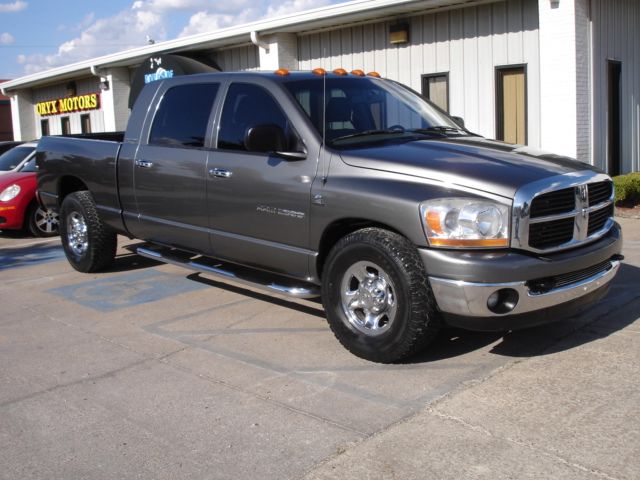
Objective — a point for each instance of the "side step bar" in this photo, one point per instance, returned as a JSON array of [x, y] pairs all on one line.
[[230, 272]]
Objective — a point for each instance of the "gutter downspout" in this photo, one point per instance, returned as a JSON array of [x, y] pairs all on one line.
[[259, 42], [95, 72]]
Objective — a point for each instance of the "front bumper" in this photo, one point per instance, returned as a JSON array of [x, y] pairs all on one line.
[[528, 286], [11, 217], [471, 299]]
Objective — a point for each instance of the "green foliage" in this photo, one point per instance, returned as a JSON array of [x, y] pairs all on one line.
[[627, 188]]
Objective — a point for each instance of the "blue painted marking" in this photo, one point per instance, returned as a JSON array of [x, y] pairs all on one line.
[[32, 255], [124, 291]]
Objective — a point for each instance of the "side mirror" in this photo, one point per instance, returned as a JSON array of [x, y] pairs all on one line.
[[270, 139], [264, 138], [459, 121]]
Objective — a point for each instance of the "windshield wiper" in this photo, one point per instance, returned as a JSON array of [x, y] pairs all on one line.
[[366, 133], [443, 129]]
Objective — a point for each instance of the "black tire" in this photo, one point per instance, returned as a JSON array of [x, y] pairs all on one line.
[[89, 244], [405, 319], [41, 222]]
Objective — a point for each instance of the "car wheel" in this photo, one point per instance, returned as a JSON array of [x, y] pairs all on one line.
[[89, 244], [42, 222], [377, 297]]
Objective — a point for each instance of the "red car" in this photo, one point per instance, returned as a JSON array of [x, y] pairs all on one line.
[[19, 208]]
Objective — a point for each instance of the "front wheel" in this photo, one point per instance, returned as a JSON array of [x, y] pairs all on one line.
[[377, 296], [89, 244]]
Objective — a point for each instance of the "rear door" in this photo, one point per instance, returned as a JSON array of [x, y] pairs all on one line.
[[259, 202], [170, 169]]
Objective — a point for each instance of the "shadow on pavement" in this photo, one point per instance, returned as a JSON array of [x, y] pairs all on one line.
[[130, 262], [30, 255], [309, 310]]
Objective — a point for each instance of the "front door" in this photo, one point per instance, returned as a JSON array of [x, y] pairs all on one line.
[[512, 105], [259, 202], [170, 170]]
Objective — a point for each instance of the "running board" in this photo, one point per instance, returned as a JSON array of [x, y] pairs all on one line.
[[230, 272]]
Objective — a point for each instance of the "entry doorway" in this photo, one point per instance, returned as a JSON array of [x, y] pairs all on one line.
[[511, 104], [614, 114]]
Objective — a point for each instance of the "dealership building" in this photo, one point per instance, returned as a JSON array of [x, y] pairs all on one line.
[[560, 75]]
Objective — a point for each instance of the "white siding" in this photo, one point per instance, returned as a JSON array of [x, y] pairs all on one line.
[[238, 58], [468, 43], [616, 36]]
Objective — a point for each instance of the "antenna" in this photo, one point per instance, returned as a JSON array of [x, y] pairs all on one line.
[[324, 124]]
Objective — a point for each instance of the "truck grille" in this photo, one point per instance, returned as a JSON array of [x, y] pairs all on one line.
[[550, 234], [544, 285], [553, 203], [578, 211]]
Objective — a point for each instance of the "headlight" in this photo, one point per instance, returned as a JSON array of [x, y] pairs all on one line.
[[10, 193], [465, 222]]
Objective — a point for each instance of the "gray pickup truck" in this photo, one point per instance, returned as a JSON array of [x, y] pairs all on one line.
[[344, 186]]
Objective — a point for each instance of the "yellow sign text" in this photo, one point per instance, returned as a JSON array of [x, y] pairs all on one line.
[[61, 106]]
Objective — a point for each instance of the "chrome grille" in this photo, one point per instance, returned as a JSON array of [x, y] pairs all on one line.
[[550, 234], [552, 203], [600, 192], [562, 212]]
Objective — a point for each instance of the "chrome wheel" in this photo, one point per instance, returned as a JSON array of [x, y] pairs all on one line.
[[368, 298], [77, 235], [46, 221]]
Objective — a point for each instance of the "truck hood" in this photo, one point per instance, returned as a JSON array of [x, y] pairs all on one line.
[[472, 162]]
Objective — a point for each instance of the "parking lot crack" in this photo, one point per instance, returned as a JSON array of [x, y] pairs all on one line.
[[538, 451], [81, 381], [263, 398]]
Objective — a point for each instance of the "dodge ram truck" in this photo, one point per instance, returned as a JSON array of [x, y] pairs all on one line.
[[345, 186]]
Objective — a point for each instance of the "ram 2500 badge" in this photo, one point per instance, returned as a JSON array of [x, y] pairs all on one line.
[[344, 186]]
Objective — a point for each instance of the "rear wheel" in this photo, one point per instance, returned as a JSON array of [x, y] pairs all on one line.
[[377, 297], [42, 222], [89, 244]]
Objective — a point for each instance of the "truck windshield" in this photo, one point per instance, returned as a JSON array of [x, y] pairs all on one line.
[[364, 109]]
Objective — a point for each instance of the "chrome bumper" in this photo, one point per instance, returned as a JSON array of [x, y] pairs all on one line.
[[470, 299]]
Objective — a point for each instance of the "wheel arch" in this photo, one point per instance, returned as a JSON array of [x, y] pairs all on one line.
[[340, 228], [69, 184]]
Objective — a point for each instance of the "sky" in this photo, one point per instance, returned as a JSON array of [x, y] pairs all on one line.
[[37, 35]]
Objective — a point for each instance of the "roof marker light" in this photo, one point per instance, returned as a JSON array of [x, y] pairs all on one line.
[[319, 71], [359, 73], [373, 74], [282, 72], [340, 71]]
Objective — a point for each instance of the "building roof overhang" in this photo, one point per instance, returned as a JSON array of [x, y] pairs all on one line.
[[320, 18]]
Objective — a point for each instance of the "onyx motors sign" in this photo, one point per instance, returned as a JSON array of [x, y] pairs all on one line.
[[60, 106]]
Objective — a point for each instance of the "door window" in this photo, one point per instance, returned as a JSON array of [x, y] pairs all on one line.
[[183, 115], [248, 106]]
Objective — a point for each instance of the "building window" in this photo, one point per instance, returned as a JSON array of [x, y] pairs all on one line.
[[85, 123], [511, 104], [66, 125], [435, 87], [44, 127]]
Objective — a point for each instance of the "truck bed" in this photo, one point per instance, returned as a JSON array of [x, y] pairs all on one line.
[[90, 159]]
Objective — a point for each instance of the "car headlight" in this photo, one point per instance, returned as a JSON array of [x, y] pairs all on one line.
[[465, 222], [10, 193]]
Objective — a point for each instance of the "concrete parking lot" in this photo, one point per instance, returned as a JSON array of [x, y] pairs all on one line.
[[152, 371]]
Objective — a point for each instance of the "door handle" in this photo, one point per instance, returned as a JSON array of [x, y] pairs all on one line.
[[220, 173], [144, 163]]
